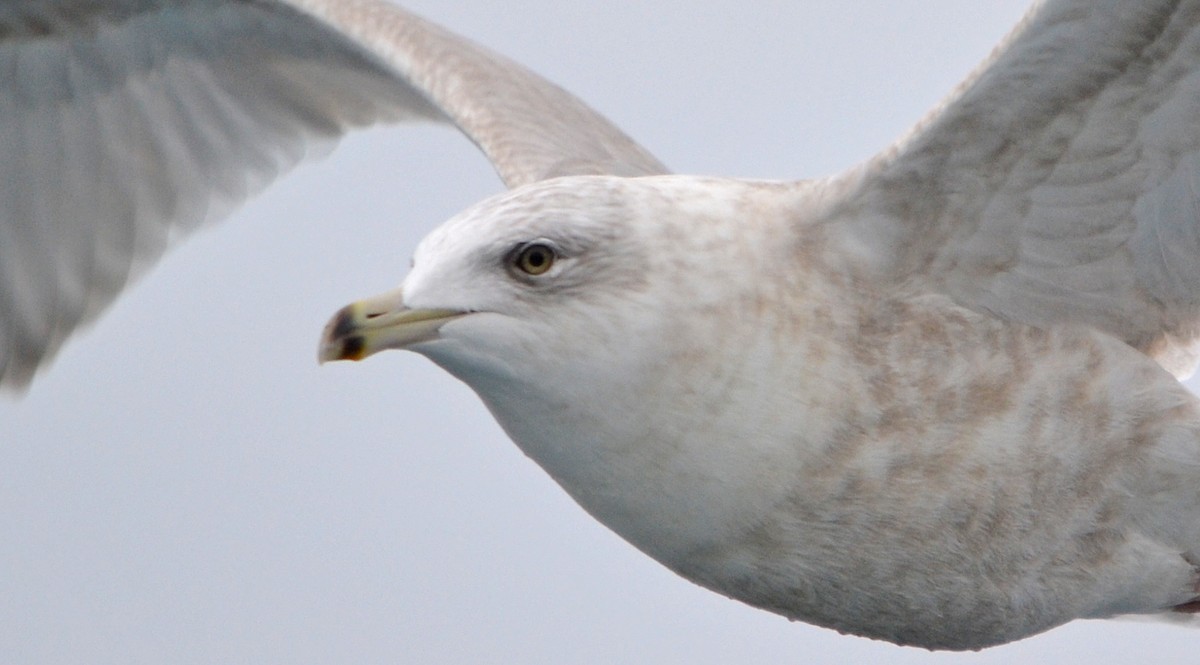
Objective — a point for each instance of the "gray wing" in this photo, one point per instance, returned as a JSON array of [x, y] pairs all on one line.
[[1060, 184], [125, 124]]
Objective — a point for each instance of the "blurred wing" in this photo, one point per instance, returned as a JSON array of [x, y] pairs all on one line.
[[125, 123], [1060, 184], [529, 128]]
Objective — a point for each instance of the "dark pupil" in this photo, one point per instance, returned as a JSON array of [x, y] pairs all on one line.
[[536, 258]]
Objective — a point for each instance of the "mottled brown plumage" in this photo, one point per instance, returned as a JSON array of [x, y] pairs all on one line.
[[926, 400]]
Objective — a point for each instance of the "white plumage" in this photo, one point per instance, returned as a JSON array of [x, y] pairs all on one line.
[[1056, 190]]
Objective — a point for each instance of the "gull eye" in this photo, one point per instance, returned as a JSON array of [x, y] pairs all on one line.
[[534, 259]]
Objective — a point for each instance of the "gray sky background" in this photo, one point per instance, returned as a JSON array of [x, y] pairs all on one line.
[[187, 486]]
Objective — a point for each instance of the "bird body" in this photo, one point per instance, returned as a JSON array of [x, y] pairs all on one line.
[[932, 400], [884, 463]]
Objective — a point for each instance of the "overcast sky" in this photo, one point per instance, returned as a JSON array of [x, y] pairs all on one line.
[[185, 485]]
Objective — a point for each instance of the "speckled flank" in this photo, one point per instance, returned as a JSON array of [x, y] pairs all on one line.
[[940, 397], [976, 479]]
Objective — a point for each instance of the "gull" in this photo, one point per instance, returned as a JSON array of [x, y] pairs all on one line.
[[932, 400]]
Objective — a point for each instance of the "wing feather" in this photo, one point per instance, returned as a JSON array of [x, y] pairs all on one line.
[[126, 124], [1058, 184]]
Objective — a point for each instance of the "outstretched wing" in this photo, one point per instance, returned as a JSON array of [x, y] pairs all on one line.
[[1060, 184], [126, 123]]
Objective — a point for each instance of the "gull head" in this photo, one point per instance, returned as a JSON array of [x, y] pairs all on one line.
[[585, 312], [572, 271], [498, 290]]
